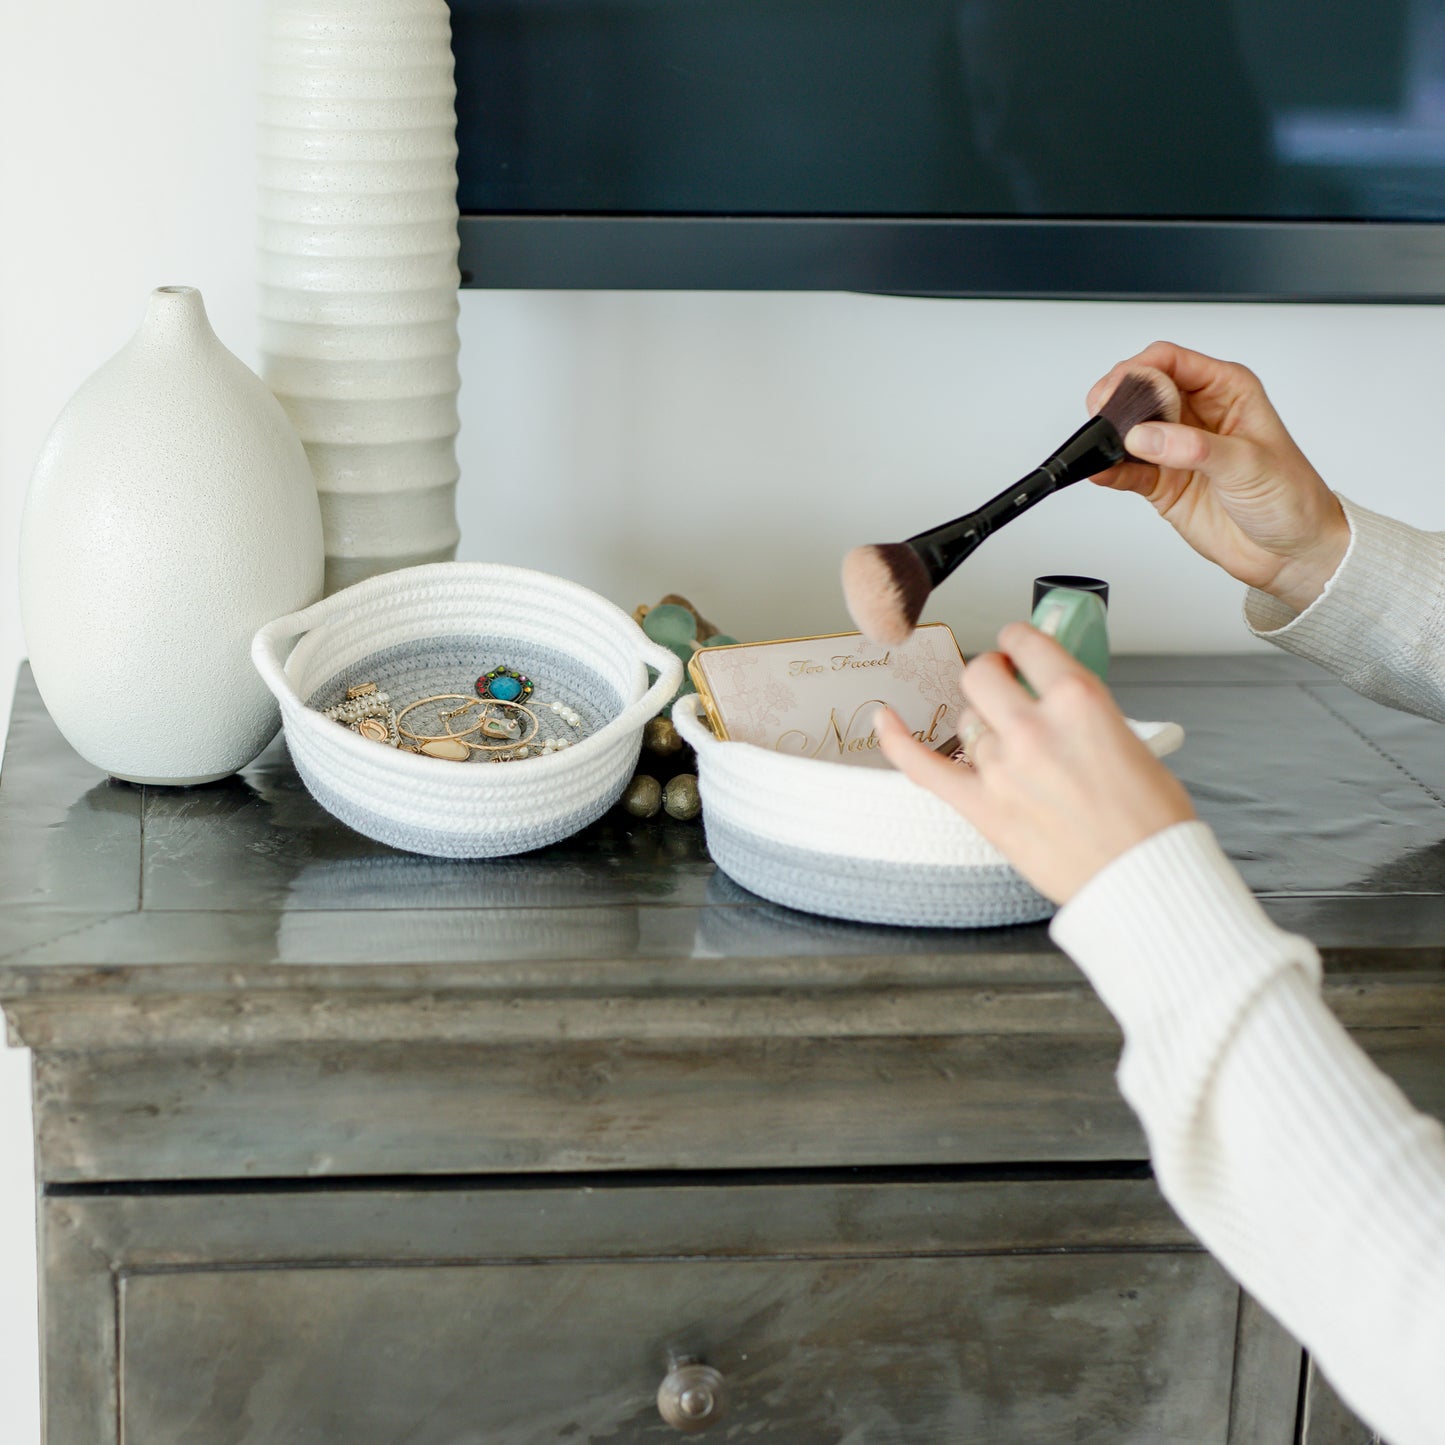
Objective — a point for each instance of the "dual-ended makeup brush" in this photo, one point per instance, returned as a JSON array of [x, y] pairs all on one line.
[[885, 584]]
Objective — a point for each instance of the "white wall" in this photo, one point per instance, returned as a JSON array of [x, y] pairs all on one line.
[[728, 446]]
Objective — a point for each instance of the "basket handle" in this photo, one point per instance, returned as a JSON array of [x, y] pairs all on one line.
[[667, 682], [694, 732], [272, 644]]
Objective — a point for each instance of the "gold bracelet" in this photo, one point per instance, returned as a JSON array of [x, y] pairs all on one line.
[[506, 742]]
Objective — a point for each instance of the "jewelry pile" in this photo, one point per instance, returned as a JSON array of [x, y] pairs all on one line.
[[498, 725], [367, 711]]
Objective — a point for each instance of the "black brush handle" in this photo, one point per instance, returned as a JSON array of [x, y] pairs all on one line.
[[1095, 447]]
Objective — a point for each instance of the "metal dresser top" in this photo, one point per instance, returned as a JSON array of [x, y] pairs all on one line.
[[244, 893]]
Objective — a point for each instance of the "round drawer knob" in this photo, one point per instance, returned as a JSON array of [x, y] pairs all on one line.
[[692, 1397]]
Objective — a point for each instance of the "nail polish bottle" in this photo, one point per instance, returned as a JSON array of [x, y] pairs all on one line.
[[1073, 611]]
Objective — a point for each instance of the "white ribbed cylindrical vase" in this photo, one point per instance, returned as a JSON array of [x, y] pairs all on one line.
[[358, 269]]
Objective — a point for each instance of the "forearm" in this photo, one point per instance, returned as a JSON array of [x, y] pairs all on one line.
[[1300, 1166], [1325, 1191], [1380, 624]]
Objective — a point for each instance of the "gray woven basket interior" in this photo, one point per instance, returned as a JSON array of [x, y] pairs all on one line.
[[424, 668]]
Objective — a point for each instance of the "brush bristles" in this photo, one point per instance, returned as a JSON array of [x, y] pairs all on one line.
[[1143, 395], [885, 586]]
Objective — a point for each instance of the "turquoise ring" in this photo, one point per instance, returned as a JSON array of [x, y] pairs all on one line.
[[504, 684]]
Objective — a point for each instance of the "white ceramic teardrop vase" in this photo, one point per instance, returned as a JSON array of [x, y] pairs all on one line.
[[171, 513]]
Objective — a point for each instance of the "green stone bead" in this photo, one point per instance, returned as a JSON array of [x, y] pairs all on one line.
[[672, 626], [720, 639], [681, 799]]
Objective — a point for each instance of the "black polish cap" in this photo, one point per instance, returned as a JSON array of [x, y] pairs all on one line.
[[1096, 585]]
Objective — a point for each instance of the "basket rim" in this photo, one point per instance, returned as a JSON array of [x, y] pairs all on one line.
[[1161, 738], [687, 715]]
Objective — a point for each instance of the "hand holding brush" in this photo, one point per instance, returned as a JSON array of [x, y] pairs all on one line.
[[886, 584], [1230, 479]]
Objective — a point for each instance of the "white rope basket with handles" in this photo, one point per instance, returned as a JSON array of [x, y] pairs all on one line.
[[856, 843], [435, 629]]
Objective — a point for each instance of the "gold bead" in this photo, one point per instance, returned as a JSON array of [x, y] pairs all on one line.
[[659, 736], [642, 797], [681, 798]]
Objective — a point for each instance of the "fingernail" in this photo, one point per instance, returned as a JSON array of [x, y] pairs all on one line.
[[1145, 441]]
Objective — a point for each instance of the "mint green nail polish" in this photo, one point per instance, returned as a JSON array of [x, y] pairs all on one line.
[[1078, 622]]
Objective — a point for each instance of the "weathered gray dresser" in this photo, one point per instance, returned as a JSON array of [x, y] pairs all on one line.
[[341, 1145]]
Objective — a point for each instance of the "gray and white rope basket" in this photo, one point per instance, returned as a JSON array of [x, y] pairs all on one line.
[[856, 843], [435, 628]]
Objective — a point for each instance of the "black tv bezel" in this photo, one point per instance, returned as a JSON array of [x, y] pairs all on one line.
[[1035, 259]]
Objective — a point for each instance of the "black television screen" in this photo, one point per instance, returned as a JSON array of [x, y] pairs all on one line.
[[1281, 148]]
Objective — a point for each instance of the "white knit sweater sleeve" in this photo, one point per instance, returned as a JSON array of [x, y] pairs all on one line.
[[1380, 623], [1298, 1164]]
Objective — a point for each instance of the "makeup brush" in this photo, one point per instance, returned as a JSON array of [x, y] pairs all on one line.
[[885, 584]]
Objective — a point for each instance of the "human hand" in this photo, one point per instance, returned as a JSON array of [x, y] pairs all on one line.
[[1060, 784], [1229, 478]]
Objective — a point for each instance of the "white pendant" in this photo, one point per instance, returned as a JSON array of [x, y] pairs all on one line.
[[170, 515], [358, 269]]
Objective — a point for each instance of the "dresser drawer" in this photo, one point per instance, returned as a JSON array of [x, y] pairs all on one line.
[[1107, 1347], [867, 1310]]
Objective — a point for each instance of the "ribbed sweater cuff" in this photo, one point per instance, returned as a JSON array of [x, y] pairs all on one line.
[[1387, 593], [1177, 947]]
